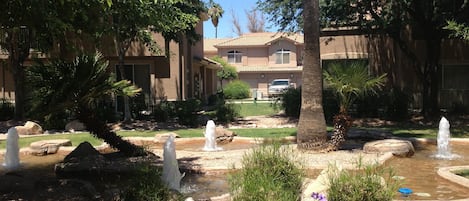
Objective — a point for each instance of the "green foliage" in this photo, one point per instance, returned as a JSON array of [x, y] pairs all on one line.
[[350, 82], [228, 72], [226, 113], [459, 30], [291, 102], [187, 112], [268, 173], [147, 185], [237, 89], [7, 109], [163, 111], [367, 183]]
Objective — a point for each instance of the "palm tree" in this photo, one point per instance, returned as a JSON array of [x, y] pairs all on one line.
[[312, 132], [215, 12], [77, 86], [349, 82]]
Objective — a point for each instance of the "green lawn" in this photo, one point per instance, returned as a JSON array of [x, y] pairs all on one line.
[[253, 109]]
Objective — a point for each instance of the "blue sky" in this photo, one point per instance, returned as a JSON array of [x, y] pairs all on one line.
[[225, 26]]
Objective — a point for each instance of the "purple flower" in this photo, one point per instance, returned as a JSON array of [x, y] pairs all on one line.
[[318, 196]]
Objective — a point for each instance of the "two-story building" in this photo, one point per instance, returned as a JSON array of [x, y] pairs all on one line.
[[262, 57], [184, 74]]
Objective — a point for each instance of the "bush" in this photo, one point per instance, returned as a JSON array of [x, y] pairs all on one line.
[[237, 90], [7, 110], [368, 183], [147, 185], [226, 113], [268, 173], [164, 111], [186, 112], [291, 103]]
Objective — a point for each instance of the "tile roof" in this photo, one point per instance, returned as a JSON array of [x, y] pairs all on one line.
[[259, 39], [210, 42], [268, 69]]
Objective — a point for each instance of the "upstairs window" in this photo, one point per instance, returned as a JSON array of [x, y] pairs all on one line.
[[282, 56], [234, 56]]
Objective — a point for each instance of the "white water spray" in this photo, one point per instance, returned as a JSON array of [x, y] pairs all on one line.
[[12, 159], [210, 138], [171, 175], [443, 141]]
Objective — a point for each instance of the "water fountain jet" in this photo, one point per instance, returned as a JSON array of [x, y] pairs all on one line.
[[171, 175], [210, 141], [443, 141], [12, 159]]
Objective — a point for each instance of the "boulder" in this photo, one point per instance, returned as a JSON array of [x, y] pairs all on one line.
[[224, 136], [45, 147], [75, 125], [400, 148], [29, 128]]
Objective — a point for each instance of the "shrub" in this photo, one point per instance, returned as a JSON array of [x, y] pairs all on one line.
[[7, 110], [186, 112], [147, 185], [268, 173], [226, 113], [291, 103], [368, 183], [237, 90], [164, 111]]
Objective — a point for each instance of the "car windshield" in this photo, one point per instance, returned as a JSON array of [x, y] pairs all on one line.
[[280, 82]]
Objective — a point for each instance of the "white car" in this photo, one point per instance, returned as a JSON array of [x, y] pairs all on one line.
[[278, 86]]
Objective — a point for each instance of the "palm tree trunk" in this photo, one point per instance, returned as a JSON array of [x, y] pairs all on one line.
[[342, 123], [100, 130], [312, 134]]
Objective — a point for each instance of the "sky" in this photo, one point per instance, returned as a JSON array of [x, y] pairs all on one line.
[[225, 26]]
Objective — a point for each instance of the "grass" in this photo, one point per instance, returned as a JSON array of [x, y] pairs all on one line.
[[463, 173], [252, 109]]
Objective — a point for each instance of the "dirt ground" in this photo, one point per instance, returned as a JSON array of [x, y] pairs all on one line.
[[36, 180]]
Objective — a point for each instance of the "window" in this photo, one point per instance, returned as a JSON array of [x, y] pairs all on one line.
[[234, 56], [455, 76], [282, 56]]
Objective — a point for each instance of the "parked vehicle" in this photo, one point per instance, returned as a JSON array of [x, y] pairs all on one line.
[[278, 86]]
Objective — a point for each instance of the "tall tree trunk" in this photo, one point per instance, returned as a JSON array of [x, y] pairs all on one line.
[[431, 82], [312, 134], [122, 50], [18, 51]]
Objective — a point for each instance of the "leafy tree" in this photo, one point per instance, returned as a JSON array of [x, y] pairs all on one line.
[[40, 25], [77, 86], [421, 20], [228, 72], [215, 12], [311, 132], [348, 82], [459, 30]]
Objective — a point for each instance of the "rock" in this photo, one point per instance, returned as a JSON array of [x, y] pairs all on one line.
[[83, 150], [45, 147], [224, 136], [75, 125], [29, 128], [400, 148]]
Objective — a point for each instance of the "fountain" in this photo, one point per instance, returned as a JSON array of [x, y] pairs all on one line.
[[12, 159], [171, 175], [210, 141], [443, 141]]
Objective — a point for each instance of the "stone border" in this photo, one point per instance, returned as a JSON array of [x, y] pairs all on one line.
[[448, 173]]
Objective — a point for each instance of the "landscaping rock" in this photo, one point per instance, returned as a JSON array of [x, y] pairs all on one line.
[[161, 138], [45, 147], [29, 128], [75, 125], [224, 136], [400, 148]]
